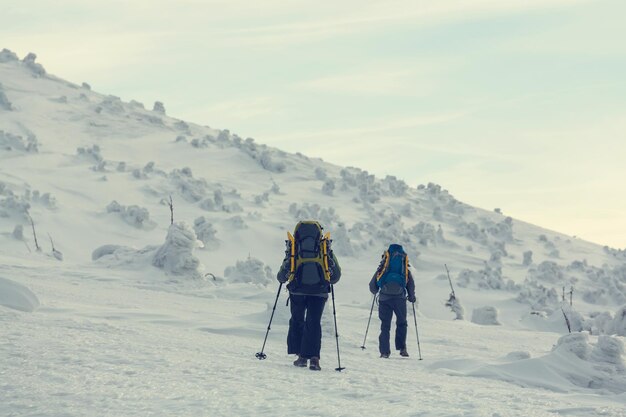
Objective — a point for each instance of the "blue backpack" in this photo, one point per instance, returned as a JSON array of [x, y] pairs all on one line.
[[394, 272]]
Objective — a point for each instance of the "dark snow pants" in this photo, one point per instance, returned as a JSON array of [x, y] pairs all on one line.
[[305, 333], [386, 309]]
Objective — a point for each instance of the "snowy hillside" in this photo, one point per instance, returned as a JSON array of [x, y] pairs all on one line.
[[120, 313]]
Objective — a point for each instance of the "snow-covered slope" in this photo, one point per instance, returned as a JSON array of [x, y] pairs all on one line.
[[131, 316]]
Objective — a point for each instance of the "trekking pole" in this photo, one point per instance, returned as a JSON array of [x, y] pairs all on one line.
[[260, 355], [339, 368], [449, 280], [419, 349], [368, 322]]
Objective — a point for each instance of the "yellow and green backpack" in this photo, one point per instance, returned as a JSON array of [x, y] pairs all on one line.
[[308, 250]]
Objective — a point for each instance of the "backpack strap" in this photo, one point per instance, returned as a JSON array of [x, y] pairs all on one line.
[[406, 268], [292, 256], [385, 266], [325, 241]]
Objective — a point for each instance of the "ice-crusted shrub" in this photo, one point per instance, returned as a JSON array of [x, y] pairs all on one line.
[[181, 125], [111, 104], [455, 305], [326, 216], [539, 297], [136, 216], [14, 205], [610, 285], [176, 256], [91, 153], [5, 104], [190, 188], [490, 277], [502, 230], [158, 107], [425, 233], [320, 173], [472, 232], [250, 271], [275, 188], [9, 141], [86, 86], [8, 56], [341, 243], [329, 187], [395, 187], [217, 203], [528, 258], [263, 198], [205, 232], [486, 316], [547, 271], [269, 164], [35, 68]]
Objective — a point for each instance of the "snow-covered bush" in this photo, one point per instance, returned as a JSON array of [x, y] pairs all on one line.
[[9, 142], [425, 232], [329, 187], [455, 305], [158, 107], [136, 216], [176, 256], [190, 188], [485, 315], [472, 232], [91, 153], [341, 243], [547, 271], [35, 68], [8, 56], [539, 297], [112, 104], [528, 258], [250, 271], [394, 186], [205, 232], [320, 173]]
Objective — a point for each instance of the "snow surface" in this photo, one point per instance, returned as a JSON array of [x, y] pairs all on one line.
[[140, 317]]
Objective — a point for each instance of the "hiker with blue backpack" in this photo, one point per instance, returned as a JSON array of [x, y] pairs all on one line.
[[394, 282], [311, 269]]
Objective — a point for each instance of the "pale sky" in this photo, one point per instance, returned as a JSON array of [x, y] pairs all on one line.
[[519, 105]]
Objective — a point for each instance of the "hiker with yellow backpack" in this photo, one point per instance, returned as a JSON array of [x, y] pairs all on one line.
[[310, 268], [394, 282]]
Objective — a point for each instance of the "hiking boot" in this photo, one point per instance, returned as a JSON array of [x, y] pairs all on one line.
[[404, 353], [315, 364], [300, 362], [384, 355]]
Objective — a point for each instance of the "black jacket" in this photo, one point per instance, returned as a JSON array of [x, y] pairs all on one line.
[[333, 266]]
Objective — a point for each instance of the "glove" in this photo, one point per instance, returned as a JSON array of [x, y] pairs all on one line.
[[411, 298]]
